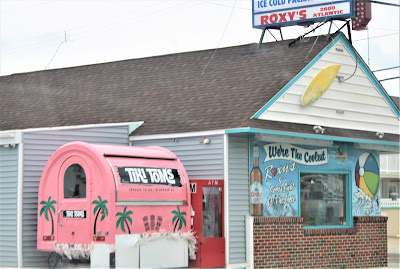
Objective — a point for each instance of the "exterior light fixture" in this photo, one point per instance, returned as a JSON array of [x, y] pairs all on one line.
[[318, 129], [205, 141], [380, 134]]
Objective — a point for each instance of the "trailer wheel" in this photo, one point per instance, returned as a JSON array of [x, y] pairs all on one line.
[[57, 261], [53, 259]]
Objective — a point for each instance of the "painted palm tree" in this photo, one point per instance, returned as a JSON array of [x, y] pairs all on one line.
[[123, 219], [46, 209], [178, 218], [100, 207]]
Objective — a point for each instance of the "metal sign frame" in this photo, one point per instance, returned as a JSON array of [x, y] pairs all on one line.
[[279, 13]]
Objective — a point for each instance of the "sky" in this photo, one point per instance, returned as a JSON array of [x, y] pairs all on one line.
[[48, 34]]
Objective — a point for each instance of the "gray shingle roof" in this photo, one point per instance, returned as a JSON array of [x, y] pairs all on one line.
[[169, 93]]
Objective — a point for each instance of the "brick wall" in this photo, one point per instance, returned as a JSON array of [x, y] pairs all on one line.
[[282, 242]]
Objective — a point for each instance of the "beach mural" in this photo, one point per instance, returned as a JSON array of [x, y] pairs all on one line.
[[276, 168], [366, 194]]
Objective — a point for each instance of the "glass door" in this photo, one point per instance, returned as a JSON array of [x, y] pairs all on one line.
[[208, 223], [212, 243]]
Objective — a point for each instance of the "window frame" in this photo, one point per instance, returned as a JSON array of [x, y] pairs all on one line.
[[349, 194], [85, 183]]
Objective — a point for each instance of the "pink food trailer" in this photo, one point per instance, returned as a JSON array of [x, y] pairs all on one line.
[[90, 193]]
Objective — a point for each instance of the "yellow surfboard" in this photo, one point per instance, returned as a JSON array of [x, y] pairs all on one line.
[[319, 84]]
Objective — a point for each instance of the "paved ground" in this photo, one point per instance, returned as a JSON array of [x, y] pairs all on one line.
[[393, 255], [393, 252]]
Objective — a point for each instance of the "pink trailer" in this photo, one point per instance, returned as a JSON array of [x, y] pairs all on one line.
[[90, 193]]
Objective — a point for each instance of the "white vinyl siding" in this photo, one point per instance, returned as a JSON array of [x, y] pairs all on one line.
[[352, 104], [38, 148], [390, 164], [201, 161], [8, 206]]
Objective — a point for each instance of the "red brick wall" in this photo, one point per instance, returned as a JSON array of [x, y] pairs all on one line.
[[282, 242]]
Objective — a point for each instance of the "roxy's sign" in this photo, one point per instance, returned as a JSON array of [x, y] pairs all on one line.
[[149, 176], [267, 13], [296, 154]]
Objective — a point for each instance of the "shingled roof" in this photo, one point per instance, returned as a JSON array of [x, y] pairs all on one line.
[[171, 93]]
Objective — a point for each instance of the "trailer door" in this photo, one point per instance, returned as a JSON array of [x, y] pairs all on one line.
[[73, 216]]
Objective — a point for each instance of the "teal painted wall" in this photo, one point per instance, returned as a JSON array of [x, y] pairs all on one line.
[[281, 165]]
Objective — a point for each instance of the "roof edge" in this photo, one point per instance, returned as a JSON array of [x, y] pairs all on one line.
[[131, 125], [176, 135], [317, 137]]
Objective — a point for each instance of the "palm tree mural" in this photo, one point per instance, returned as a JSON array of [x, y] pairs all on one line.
[[124, 218], [179, 218], [100, 207], [47, 207]]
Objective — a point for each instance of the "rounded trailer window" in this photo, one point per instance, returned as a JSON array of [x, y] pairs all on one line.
[[75, 182]]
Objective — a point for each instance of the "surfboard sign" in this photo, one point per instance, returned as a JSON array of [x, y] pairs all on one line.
[[319, 84]]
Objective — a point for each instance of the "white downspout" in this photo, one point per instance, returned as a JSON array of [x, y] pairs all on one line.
[[20, 200], [249, 242], [226, 199]]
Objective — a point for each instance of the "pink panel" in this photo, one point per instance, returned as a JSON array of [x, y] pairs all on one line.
[[152, 176], [151, 219]]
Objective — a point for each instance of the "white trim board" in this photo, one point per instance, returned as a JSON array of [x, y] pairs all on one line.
[[176, 135], [132, 125]]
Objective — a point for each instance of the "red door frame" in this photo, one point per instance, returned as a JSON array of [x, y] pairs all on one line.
[[210, 251]]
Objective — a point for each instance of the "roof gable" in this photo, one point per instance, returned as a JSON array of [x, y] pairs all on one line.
[[358, 102]]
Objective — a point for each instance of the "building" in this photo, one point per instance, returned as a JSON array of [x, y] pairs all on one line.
[[390, 176], [241, 111]]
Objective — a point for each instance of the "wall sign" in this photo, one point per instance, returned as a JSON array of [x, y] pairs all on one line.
[[274, 175], [149, 176], [76, 214], [193, 187], [296, 154], [291, 12]]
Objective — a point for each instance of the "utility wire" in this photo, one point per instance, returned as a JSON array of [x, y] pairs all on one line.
[[226, 27], [355, 69], [84, 30], [375, 37], [381, 3], [223, 5], [379, 28], [368, 44], [64, 41], [384, 69], [388, 79], [54, 55]]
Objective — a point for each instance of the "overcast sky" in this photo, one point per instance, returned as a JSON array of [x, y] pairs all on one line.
[[40, 34]]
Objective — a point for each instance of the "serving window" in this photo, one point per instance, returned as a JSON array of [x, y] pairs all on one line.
[[149, 180], [325, 200]]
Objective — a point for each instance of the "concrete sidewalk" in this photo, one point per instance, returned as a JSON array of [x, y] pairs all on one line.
[[393, 252]]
